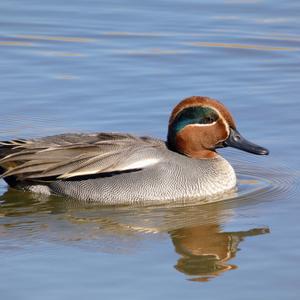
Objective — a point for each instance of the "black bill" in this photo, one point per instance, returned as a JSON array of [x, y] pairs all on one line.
[[235, 140]]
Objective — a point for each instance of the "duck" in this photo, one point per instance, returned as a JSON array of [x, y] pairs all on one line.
[[121, 168]]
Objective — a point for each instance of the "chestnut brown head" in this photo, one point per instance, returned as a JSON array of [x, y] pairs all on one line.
[[198, 125]]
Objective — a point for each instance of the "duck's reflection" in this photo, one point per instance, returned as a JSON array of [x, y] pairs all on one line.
[[205, 250], [196, 231]]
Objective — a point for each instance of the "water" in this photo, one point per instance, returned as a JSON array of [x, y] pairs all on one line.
[[122, 66]]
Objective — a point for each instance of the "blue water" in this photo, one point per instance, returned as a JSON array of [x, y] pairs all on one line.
[[122, 66]]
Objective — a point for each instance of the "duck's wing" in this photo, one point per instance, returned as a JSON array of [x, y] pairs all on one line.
[[71, 155]]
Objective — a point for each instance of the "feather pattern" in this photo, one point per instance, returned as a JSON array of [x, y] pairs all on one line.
[[71, 155]]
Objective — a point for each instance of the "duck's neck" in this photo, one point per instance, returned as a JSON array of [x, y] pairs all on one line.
[[189, 148]]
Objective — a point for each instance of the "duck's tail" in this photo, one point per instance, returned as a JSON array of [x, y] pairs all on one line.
[[7, 148]]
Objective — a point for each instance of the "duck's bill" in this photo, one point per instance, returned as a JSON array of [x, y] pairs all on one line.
[[236, 140]]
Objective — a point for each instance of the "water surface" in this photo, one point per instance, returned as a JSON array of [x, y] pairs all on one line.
[[121, 66]]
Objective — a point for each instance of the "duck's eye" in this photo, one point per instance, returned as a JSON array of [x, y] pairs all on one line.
[[208, 116], [207, 120]]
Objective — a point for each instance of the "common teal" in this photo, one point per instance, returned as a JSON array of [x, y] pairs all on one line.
[[117, 168]]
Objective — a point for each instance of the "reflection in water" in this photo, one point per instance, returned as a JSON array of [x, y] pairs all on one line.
[[196, 231], [205, 250]]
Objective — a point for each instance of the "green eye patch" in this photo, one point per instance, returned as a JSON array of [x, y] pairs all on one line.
[[194, 115]]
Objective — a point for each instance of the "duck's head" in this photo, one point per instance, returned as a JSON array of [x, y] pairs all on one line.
[[199, 125]]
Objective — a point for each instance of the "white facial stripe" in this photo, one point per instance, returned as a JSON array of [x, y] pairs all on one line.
[[223, 120], [202, 125], [226, 126]]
